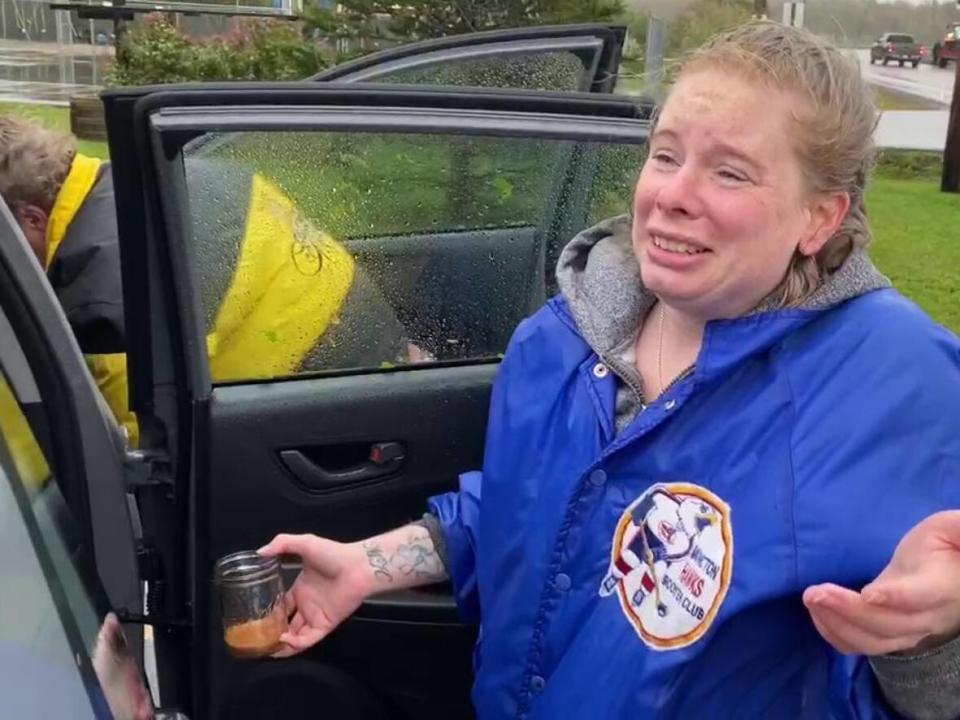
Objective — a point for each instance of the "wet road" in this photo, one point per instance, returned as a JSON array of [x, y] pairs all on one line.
[[36, 72], [926, 81], [912, 129]]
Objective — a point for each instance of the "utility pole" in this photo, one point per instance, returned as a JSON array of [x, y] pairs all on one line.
[[653, 57], [793, 13], [950, 181]]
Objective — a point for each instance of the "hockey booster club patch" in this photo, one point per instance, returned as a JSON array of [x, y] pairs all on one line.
[[671, 563]]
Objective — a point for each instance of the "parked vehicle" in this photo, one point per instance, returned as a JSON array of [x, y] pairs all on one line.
[[948, 48], [896, 46]]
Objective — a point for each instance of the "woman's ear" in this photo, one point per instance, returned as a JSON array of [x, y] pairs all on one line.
[[826, 212]]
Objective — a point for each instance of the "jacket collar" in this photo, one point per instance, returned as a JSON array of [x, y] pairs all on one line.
[[599, 279], [83, 175]]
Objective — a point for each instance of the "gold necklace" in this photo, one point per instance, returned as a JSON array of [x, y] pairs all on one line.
[[660, 350]]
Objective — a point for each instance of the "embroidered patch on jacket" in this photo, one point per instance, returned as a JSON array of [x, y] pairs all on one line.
[[671, 563]]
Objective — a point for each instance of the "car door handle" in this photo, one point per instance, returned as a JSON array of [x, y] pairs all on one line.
[[384, 459]]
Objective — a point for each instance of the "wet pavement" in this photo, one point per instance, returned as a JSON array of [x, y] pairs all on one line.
[[925, 80], [48, 73], [913, 129]]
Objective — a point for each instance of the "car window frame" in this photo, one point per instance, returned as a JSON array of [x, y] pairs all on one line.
[[601, 74], [187, 113], [589, 51]]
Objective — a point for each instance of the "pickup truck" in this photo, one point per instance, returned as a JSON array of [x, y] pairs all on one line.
[[895, 46], [948, 48]]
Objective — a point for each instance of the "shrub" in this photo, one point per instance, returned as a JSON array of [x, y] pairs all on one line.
[[701, 20], [909, 164], [156, 52]]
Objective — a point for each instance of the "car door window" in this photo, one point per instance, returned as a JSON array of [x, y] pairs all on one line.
[[569, 58], [54, 617], [558, 70], [569, 66], [359, 250]]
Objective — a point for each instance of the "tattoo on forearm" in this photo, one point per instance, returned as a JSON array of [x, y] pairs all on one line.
[[418, 557], [414, 558], [378, 561]]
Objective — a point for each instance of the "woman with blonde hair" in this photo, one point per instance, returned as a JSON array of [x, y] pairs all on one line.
[[726, 407]]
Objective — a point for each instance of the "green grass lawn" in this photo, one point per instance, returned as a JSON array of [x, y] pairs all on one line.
[[892, 100], [57, 118], [917, 243]]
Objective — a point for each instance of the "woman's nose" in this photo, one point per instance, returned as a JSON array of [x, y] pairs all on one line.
[[679, 193]]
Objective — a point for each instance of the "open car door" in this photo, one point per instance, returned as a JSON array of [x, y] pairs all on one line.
[[316, 307], [69, 525], [82, 474]]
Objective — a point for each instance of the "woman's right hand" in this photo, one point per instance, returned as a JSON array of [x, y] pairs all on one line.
[[329, 588]]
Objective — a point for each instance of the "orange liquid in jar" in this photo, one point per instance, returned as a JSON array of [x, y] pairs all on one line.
[[256, 638]]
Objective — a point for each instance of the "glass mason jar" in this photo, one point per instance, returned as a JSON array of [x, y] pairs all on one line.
[[251, 604]]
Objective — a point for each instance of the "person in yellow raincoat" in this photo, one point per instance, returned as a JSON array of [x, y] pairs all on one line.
[[280, 295]]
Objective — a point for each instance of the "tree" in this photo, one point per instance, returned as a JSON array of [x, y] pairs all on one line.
[[417, 19], [703, 19], [859, 22], [568, 11]]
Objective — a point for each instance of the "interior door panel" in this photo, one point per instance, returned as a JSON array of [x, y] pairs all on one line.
[[439, 416]]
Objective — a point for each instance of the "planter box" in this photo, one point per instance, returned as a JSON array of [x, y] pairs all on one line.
[[86, 117]]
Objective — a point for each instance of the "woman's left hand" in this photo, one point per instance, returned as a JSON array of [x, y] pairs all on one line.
[[913, 605]]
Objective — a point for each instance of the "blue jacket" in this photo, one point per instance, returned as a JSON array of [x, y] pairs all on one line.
[[657, 572]]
